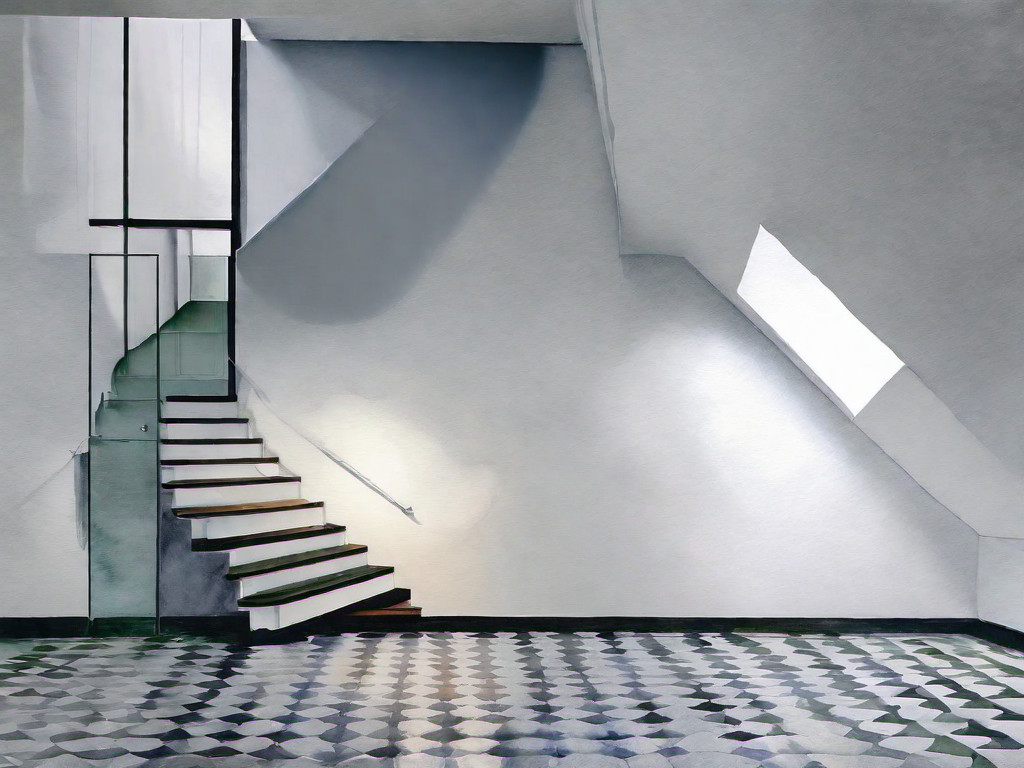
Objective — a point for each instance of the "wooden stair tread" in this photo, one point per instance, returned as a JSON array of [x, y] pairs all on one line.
[[268, 537], [292, 561], [218, 482], [300, 590], [404, 608], [233, 460], [251, 508]]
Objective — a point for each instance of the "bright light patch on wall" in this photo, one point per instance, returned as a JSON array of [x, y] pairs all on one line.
[[848, 358]]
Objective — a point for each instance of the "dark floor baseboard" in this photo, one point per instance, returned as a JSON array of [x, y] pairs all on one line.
[[997, 634], [55, 626], [235, 627]]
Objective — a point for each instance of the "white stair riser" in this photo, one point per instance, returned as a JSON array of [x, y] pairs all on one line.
[[236, 494], [189, 431], [207, 471], [241, 525], [200, 410], [285, 615], [252, 584], [205, 451], [256, 552]]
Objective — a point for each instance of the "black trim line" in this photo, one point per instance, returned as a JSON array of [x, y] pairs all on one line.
[[236, 192], [340, 621], [203, 420], [210, 440], [227, 482], [210, 462], [125, 95], [50, 626], [137, 223], [201, 398]]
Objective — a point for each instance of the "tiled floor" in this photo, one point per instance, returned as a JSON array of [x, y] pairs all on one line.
[[494, 700]]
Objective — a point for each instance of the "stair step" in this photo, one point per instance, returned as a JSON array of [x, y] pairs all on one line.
[[203, 462], [200, 428], [383, 601], [220, 482], [292, 561], [204, 420], [311, 587], [207, 467], [211, 440], [202, 398], [252, 508], [200, 447], [404, 608], [253, 539]]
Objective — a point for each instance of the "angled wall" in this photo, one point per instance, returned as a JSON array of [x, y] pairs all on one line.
[[882, 144], [579, 433]]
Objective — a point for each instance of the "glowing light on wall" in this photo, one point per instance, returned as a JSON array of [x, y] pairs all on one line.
[[847, 357]]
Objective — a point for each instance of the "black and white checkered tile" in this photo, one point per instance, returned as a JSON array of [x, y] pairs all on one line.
[[498, 700]]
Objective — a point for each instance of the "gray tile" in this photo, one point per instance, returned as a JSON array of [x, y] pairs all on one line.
[[449, 700]]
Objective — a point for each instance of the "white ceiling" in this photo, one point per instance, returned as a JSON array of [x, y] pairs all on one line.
[[522, 21]]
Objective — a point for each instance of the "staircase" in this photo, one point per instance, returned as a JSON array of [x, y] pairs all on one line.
[[288, 564]]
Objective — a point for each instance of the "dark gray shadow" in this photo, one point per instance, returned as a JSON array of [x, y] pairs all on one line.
[[356, 240], [191, 583]]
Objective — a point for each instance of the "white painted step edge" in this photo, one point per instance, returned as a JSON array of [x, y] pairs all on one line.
[[251, 584], [224, 526], [207, 471], [214, 451], [194, 431], [243, 555], [236, 494], [174, 409]]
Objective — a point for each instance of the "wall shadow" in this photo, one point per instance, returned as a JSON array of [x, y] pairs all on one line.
[[356, 240]]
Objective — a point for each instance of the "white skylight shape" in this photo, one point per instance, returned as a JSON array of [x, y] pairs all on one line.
[[847, 357]]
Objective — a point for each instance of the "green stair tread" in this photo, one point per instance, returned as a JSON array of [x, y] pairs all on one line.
[[199, 317], [192, 317], [223, 482], [249, 508], [312, 587], [134, 375], [292, 561], [267, 537]]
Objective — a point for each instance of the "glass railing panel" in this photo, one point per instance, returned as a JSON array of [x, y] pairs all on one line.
[[124, 442]]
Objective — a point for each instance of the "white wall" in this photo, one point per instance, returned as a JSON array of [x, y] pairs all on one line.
[[579, 433], [43, 349], [1000, 574]]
